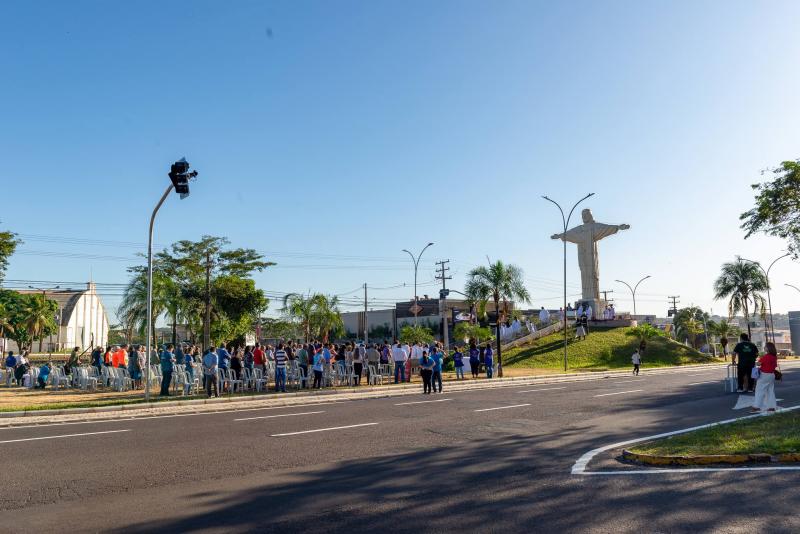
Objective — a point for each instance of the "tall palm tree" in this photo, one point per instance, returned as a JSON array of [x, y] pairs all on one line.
[[39, 313], [5, 321], [133, 308], [723, 330], [326, 316], [741, 282], [499, 282], [301, 309]]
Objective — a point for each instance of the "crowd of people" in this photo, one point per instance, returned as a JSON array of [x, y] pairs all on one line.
[[401, 359]]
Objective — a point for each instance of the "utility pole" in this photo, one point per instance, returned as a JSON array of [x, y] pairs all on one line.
[[366, 323], [441, 274], [605, 295], [207, 318], [675, 301]]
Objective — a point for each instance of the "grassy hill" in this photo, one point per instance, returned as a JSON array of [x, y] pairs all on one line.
[[603, 349]]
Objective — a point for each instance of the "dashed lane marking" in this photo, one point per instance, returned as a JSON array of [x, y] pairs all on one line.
[[278, 415], [321, 430], [421, 402], [502, 407], [619, 393], [65, 436]]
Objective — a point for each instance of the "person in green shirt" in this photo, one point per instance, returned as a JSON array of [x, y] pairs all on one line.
[[744, 356]]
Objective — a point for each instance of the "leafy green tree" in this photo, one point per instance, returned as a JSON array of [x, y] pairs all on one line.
[[500, 282], [466, 331], [317, 314], [688, 323], [777, 209], [39, 314], [280, 328], [724, 331], [415, 334], [645, 332], [741, 282], [8, 244]]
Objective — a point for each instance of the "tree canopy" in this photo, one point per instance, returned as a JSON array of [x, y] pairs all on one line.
[[777, 206]]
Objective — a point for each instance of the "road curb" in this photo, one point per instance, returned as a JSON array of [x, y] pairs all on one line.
[[296, 398], [707, 459]]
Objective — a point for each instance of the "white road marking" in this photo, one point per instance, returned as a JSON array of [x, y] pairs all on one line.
[[542, 389], [700, 374], [579, 467], [65, 436], [273, 416], [421, 402], [704, 382], [502, 407], [619, 393], [321, 430]]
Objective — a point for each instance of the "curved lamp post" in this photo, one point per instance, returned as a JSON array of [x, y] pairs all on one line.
[[565, 223], [769, 299], [633, 290], [416, 267]]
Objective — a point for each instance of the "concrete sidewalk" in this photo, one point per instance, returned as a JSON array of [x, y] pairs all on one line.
[[299, 398]]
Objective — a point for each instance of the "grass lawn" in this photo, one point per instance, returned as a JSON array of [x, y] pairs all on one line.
[[603, 349], [774, 434]]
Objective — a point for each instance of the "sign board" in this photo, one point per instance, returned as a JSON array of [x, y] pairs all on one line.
[[415, 309]]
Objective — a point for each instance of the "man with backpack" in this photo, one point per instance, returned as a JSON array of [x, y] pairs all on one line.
[[744, 356]]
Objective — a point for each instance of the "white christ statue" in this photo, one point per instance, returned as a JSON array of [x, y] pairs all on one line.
[[586, 237]]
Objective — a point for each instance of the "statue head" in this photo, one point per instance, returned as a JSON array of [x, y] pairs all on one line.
[[587, 215]]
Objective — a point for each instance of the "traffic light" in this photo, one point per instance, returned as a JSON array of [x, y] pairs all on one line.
[[180, 175]]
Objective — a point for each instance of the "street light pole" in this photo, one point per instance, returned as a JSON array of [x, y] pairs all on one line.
[[633, 290], [150, 289], [793, 287], [179, 176], [769, 299], [565, 222], [416, 266]]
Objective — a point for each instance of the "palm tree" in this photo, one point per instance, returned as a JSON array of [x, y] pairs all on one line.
[[741, 282], [326, 317], [39, 315], [301, 309], [499, 282], [688, 323], [723, 330], [5, 321]]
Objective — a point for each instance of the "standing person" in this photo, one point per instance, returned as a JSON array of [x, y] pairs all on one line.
[[190, 361], [544, 317], [458, 362], [359, 355], [400, 356], [249, 361], [280, 369], [489, 361], [260, 359], [167, 366], [223, 358], [765, 386], [236, 363], [436, 376], [474, 359], [636, 359], [302, 363], [73, 361], [744, 356], [133, 367], [108, 357], [141, 356], [426, 366], [210, 363], [319, 362], [580, 329], [97, 359]]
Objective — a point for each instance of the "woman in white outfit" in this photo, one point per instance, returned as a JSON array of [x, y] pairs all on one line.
[[765, 385]]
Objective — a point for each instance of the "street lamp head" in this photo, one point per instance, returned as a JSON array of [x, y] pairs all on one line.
[[429, 244]]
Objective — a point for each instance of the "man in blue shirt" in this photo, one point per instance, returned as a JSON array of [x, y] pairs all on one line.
[[436, 378], [224, 358], [210, 363], [167, 366], [489, 361]]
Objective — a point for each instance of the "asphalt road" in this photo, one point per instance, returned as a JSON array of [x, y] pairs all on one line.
[[492, 460]]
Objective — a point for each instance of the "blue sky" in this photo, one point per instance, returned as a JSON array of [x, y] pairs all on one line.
[[331, 135]]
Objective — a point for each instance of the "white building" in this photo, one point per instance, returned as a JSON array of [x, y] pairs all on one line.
[[81, 316]]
